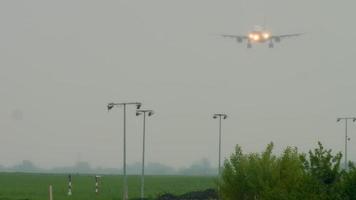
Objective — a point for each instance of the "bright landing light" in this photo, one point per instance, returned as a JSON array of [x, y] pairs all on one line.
[[266, 35], [255, 37]]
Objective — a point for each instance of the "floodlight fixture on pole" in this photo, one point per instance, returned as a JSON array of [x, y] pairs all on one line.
[[346, 136], [144, 113], [109, 107], [112, 105], [219, 116]]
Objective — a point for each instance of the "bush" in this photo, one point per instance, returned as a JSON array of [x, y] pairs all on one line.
[[290, 176]]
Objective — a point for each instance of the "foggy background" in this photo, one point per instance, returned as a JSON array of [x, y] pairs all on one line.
[[61, 62]]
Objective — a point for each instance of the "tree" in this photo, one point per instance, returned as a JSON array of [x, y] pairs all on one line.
[[263, 175], [324, 174], [349, 183], [200, 167], [25, 166]]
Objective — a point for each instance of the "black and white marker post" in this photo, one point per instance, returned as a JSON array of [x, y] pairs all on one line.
[[97, 184], [69, 185]]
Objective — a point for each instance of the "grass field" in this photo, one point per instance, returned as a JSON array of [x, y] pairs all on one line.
[[20, 186]]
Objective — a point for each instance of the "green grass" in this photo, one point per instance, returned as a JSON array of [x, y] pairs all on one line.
[[20, 186]]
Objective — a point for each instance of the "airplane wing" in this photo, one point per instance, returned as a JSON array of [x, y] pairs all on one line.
[[287, 35], [239, 38]]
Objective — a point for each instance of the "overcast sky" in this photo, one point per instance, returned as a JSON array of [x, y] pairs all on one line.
[[61, 62]]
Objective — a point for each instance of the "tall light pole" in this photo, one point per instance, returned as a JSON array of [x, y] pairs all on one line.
[[219, 116], [346, 136], [149, 113], [138, 106]]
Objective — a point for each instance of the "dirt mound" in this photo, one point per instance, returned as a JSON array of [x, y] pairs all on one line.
[[209, 194]]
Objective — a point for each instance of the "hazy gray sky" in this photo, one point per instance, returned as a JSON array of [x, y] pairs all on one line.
[[61, 62]]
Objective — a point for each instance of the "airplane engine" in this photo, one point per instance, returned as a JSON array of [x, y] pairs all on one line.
[[277, 39], [239, 39]]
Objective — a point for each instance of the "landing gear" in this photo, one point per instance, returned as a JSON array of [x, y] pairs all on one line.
[[239, 39], [271, 45]]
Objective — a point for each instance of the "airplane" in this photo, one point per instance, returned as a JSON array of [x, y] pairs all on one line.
[[260, 35]]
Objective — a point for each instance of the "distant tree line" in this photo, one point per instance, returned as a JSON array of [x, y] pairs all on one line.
[[317, 175], [198, 168]]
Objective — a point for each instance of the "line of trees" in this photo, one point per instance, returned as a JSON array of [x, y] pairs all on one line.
[[317, 175], [199, 168]]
